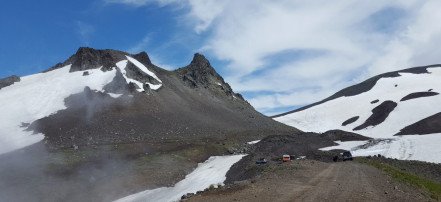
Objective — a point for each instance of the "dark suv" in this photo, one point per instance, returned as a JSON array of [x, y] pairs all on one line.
[[261, 161], [347, 156]]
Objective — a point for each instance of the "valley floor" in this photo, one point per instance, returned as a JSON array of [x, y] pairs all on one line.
[[308, 180]]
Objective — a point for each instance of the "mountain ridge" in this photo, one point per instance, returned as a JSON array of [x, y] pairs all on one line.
[[138, 101], [363, 86], [398, 109]]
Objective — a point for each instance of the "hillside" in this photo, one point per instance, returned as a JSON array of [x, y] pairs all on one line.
[[105, 124], [400, 109], [104, 96]]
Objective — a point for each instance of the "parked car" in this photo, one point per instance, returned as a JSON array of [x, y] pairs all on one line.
[[261, 161], [347, 156]]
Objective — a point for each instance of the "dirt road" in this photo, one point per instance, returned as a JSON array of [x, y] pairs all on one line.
[[316, 181]]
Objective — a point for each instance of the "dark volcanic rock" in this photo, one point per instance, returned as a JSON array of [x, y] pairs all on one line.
[[9, 81], [134, 72], [59, 128], [418, 95], [379, 114], [429, 125], [375, 101], [178, 111], [200, 74], [88, 58], [364, 86], [351, 120], [118, 85], [143, 58], [341, 135]]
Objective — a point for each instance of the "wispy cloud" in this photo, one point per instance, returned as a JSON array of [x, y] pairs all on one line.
[[158, 61], [138, 3], [354, 41], [141, 46], [282, 53], [85, 31]]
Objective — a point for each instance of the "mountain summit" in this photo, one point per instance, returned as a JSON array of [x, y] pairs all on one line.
[[100, 97]]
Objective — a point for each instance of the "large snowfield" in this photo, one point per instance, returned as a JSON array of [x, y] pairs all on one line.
[[40, 95], [331, 115], [211, 172], [37, 96]]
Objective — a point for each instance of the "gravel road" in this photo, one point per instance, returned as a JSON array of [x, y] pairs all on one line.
[[316, 181]]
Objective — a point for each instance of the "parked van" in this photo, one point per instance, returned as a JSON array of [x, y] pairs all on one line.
[[286, 158]]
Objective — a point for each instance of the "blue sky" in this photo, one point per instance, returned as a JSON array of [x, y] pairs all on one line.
[[279, 54]]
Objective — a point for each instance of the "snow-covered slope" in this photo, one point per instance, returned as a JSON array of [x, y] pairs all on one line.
[[211, 172], [383, 111], [40, 95]]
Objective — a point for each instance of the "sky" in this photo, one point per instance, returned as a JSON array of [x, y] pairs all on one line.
[[279, 54]]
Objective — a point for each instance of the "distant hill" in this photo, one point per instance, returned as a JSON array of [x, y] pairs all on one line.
[[402, 106]]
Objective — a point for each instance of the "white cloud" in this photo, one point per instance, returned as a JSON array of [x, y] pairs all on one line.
[[351, 48], [138, 3], [299, 52], [206, 16]]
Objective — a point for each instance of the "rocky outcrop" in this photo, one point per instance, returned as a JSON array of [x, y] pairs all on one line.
[[9, 81], [88, 58], [351, 120], [425, 126], [200, 74], [118, 85], [134, 72], [418, 95], [379, 114]]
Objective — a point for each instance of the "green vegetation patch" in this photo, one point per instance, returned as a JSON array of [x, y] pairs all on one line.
[[433, 188]]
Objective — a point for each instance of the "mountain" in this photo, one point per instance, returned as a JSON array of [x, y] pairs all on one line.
[[105, 124], [399, 109], [105, 96]]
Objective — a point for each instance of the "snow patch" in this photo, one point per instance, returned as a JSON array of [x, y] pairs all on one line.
[[114, 95], [153, 86], [253, 142], [408, 147], [211, 172], [122, 65], [348, 145], [38, 96], [143, 68]]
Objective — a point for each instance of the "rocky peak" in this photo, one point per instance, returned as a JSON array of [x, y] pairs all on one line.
[[9, 81], [200, 74], [200, 62], [88, 58], [143, 58]]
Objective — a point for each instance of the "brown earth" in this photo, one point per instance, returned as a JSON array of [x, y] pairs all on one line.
[[309, 180]]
